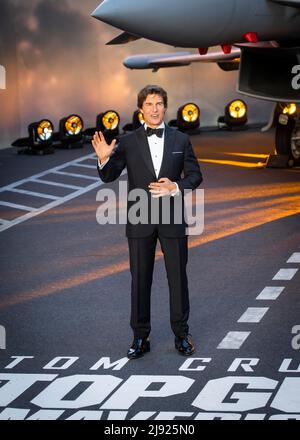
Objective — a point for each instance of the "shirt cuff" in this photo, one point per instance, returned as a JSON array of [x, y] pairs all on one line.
[[102, 165], [176, 191]]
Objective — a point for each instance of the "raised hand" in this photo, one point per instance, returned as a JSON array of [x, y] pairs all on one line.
[[101, 147]]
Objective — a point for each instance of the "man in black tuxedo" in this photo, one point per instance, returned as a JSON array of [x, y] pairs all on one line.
[[159, 160]]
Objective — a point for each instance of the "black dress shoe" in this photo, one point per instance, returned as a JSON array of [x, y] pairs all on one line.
[[185, 345], [139, 347]]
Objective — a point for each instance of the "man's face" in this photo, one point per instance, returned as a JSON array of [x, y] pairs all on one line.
[[153, 110]]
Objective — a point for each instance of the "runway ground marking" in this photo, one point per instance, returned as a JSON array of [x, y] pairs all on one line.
[[16, 206], [253, 314], [33, 193], [285, 274], [56, 200], [294, 258], [64, 173], [49, 182], [235, 339], [270, 293]]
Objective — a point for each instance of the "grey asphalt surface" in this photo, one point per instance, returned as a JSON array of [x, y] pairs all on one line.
[[65, 283]]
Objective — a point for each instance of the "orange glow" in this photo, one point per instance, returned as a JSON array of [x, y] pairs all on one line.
[[254, 206]]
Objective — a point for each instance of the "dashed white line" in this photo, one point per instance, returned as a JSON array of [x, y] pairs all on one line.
[[294, 258], [233, 340], [270, 293], [253, 314], [285, 274]]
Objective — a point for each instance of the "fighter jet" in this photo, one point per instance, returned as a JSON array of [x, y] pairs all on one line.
[[260, 38]]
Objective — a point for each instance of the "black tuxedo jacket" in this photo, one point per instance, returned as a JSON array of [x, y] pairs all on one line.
[[179, 164]]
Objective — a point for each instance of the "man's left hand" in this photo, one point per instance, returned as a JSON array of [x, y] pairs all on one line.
[[163, 187]]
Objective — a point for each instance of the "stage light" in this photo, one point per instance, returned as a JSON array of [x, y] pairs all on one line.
[[236, 115], [73, 125], [137, 121], [71, 131], [108, 122], [39, 140], [237, 109], [44, 130], [290, 109], [188, 118]]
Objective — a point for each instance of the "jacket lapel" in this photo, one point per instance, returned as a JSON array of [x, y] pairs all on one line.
[[168, 147], [144, 149]]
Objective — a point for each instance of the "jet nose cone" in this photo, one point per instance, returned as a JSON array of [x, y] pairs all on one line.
[[108, 12], [101, 10], [122, 14]]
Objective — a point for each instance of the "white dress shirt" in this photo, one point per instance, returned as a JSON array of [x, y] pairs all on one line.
[[156, 146]]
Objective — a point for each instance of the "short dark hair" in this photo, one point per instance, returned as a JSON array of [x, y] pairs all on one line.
[[151, 90]]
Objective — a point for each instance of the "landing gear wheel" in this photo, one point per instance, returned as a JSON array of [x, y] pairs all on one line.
[[288, 140]]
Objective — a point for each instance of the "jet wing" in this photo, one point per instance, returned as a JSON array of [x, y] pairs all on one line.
[[156, 61], [292, 3], [124, 38]]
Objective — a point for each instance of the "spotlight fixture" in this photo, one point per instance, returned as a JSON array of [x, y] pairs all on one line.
[[137, 121], [39, 140], [108, 122], [236, 115], [70, 132], [188, 118]]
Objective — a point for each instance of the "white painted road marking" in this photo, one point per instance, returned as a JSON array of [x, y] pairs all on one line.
[[285, 274], [49, 182], [295, 258], [253, 314], [33, 193], [233, 340], [17, 206], [81, 176], [270, 293], [56, 200]]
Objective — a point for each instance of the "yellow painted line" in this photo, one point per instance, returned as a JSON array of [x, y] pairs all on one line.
[[234, 163], [258, 156]]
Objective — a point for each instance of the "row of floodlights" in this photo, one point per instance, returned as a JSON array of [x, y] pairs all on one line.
[[41, 135]]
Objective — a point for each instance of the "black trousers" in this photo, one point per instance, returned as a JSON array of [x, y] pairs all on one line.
[[142, 255]]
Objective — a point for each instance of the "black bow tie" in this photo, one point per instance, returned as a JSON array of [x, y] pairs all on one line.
[[158, 131]]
